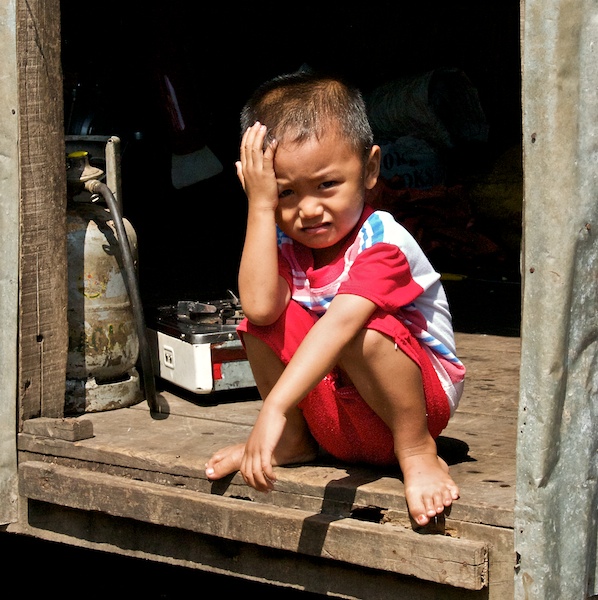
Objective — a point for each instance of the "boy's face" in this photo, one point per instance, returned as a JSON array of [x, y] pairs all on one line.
[[321, 187]]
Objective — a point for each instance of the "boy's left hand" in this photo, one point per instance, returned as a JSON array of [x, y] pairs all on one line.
[[256, 466]]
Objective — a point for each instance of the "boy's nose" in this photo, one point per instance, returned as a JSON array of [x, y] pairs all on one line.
[[310, 207]]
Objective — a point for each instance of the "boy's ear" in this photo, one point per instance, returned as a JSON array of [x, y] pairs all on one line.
[[372, 167]]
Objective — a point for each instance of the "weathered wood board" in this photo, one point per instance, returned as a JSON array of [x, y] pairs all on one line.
[[479, 443], [443, 559], [163, 455]]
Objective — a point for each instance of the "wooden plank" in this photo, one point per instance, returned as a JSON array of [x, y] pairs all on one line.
[[289, 570], [175, 445], [43, 329], [501, 557], [9, 261], [171, 449], [442, 559], [70, 430], [492, 379], [180, 446]]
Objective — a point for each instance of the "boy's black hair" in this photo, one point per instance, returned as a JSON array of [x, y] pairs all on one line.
[[304, 104]]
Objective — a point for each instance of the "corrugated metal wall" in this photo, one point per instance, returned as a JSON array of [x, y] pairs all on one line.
[[556, 507]]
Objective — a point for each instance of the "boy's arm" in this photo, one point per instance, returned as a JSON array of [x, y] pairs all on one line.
[[316, 356], [264, 294], [321, 348]]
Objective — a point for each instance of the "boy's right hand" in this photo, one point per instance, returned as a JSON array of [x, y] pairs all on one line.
[[255, 169], [264, 293]]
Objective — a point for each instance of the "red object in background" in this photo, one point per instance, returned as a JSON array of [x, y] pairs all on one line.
[[441, 220]]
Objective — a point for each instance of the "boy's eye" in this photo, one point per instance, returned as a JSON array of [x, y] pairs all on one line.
[[285, 193], [328, 184]]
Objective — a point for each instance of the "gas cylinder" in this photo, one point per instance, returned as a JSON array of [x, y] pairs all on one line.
[[103, 342]]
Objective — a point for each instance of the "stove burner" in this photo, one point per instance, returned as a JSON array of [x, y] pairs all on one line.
[[194, 312]]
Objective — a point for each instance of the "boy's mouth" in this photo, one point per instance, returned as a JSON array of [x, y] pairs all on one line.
[[315, 229]]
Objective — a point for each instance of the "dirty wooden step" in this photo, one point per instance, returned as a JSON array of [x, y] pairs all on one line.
[[442, 559]]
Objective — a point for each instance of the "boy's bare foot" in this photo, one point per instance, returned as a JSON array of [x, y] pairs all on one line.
[[429, 488], [228, 460]]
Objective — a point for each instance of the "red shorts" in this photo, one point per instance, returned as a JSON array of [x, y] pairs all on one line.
[[339, 419]]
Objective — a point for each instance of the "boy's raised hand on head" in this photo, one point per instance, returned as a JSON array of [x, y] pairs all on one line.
[[255, 168]]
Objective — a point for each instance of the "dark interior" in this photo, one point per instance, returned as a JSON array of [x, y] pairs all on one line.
[[460, 193]]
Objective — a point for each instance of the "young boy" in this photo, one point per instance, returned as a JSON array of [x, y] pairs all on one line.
[[347, 327]]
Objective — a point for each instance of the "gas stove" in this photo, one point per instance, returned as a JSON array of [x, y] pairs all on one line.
[[196, 345]]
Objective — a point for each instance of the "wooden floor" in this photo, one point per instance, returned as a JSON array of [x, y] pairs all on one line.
[[171, 449], [479, 442]]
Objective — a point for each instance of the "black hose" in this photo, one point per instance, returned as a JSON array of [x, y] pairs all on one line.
[[147, 371]]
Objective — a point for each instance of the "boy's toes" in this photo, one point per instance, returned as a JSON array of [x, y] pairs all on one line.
[[429, 508], [224, 462], [450, 495], [435, 506], [421, 519], [421, 512]]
